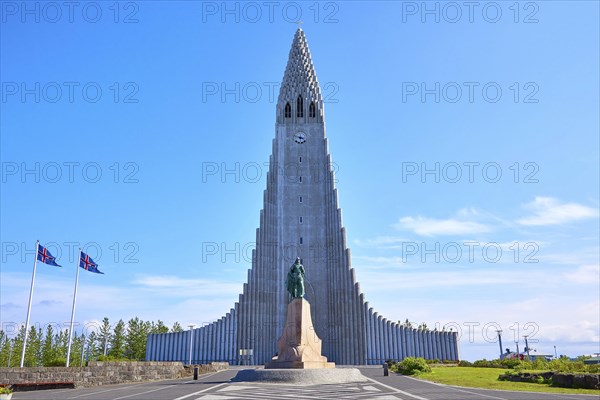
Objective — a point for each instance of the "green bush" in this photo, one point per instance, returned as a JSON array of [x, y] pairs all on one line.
[[510, 363], [112, 358], [57, 362], [465, 363], [412, 366], [488, 363], [5, 390], [557, 365]]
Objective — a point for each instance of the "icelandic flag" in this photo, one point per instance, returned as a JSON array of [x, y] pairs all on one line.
[[44, 256], [88, 264]]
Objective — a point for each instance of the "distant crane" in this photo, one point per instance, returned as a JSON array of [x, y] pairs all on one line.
[[527, 347]]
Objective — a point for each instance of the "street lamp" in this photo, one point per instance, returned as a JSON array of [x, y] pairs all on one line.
[[499, 331], [191, 341]]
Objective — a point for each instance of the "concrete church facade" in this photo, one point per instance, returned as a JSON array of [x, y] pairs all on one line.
[[301, 217]]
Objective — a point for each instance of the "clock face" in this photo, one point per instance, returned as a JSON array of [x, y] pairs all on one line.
[[300, 137]]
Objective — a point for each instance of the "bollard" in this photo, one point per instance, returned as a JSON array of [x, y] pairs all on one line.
[[386, 371], [195, 373]]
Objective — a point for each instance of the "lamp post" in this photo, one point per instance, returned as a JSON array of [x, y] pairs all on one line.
[[191, 341], [82, 350], [500, 341]]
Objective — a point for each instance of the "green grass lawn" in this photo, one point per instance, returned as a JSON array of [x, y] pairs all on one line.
[[487, 378]]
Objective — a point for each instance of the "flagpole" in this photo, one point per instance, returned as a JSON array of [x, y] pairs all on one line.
[[37, 249], [73, 310]]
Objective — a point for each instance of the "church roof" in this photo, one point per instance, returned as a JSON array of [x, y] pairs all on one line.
[[299, 77]]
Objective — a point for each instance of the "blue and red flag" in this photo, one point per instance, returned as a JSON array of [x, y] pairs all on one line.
[[88, 264], [44, 256]]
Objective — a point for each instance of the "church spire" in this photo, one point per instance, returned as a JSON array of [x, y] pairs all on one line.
[[299, 81]]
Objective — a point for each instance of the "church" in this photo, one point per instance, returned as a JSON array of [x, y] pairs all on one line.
[[301, 217]]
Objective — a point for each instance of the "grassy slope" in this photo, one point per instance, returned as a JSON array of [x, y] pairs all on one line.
[[487, 378]]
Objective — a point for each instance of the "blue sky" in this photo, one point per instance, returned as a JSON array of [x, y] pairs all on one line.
[[147, 140]]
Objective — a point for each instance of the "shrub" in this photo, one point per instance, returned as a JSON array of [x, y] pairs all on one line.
[[465, 363], [57, 362], [112, 358], [5, 390], [412, 365], [510, 363], [487, 363]]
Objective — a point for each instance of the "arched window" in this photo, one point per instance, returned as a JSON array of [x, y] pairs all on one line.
[[311, 110], [299, 107], [288, 110]]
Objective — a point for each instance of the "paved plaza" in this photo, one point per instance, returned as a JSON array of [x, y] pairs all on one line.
[[217, 386]]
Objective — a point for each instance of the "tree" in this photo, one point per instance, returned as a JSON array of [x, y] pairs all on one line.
[[5, 343], [48, 346], [48, 350], [62, 343], [137, 335], [407, 324], [77, 346], [159, 327], [17, 347], [34, 344], [92, 348], [177, 327], [117, 341], [104, 336]]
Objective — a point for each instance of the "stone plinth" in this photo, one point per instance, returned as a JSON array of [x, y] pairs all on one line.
[[321, 376], [299, 347]]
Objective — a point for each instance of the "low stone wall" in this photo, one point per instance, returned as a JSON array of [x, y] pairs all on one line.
[[566, 380], [104, 373], [579, 381]]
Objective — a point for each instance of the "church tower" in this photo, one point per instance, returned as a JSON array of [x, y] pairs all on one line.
[[301, 218]]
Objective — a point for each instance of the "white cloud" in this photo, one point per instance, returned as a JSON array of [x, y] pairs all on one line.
[[151, 297], [187, 287], [577, 256], [388, 242], [586, 274], [432, 227], [549, 211]]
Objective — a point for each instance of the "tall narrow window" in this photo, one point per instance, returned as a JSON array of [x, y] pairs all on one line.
[[300, 198], [300, 179], [300, 239], [300, 159], [288, 110], [299, 107], [300, 219], [311, 110]]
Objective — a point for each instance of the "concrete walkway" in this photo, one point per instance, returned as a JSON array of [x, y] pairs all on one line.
[[216, 386]]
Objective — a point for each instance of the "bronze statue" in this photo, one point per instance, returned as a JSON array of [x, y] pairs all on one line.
[[295, 280]]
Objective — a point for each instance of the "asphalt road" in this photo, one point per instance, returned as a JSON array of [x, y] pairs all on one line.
[[216, 386]]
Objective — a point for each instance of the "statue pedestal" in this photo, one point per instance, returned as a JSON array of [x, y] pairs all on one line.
[[299, 347]]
